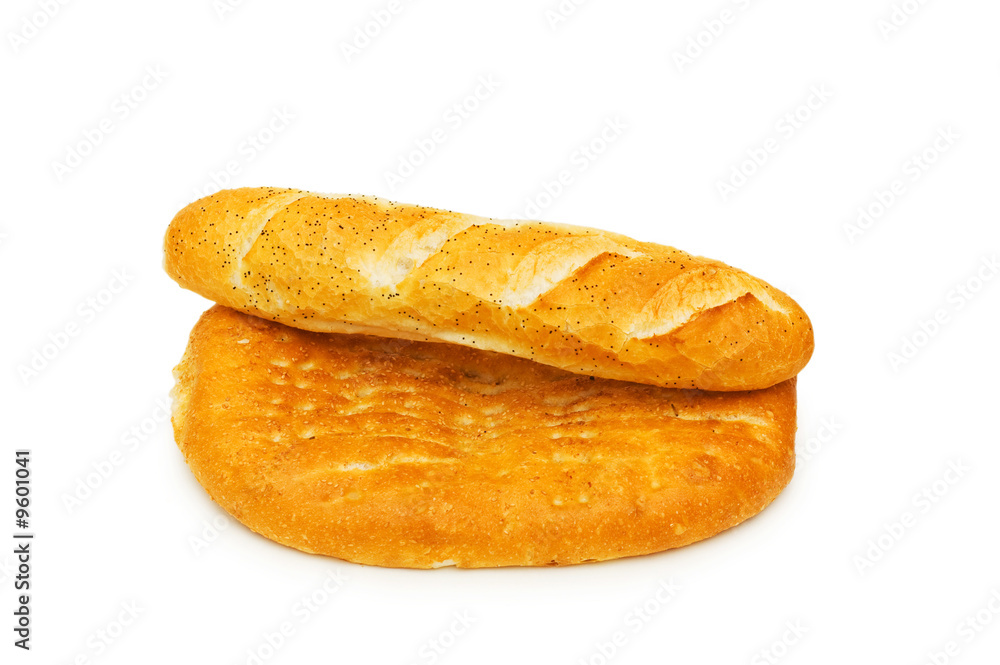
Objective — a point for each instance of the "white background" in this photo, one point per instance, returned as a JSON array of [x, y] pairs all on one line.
[[873, 434]]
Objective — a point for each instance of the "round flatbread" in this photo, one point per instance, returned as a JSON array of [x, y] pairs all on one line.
[[416, 454]]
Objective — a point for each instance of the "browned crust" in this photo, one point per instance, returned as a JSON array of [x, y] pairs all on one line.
[[408, 454], [581, 299]]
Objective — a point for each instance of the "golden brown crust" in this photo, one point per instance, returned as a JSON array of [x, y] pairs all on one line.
[[584, 300], [409, 454]]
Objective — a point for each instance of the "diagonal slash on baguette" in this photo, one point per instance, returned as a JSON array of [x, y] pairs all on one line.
[[584, 300]]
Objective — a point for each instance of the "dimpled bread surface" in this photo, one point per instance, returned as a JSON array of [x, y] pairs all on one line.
[[410, 454]]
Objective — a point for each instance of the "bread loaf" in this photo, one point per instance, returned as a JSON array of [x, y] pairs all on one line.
[[580, 299], [410, 454]]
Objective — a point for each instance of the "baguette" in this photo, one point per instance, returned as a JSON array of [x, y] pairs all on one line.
[[583, 300], [409, 454]]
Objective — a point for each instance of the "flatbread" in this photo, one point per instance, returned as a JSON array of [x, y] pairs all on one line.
[[412, 454]]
